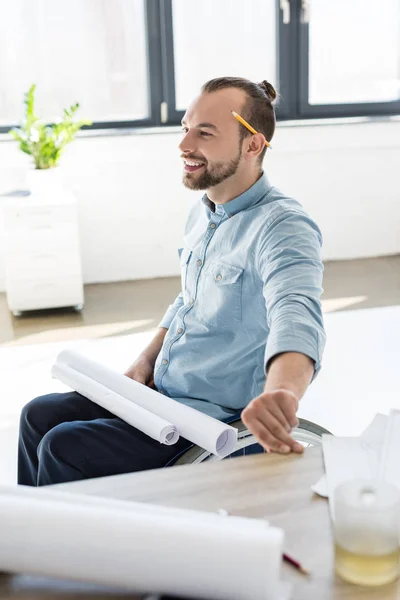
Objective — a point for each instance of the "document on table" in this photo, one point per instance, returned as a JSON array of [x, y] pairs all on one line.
[[371, 440], [372, 455]]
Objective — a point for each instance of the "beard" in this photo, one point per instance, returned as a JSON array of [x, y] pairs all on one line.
[[212, 175]]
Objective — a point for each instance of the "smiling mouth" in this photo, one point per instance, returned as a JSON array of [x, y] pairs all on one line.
[[190, 166]]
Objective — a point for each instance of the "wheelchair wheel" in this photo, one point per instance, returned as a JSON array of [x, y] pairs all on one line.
[[307, 433]]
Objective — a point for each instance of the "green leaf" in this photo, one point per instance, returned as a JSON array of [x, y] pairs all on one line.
[[46, 142]]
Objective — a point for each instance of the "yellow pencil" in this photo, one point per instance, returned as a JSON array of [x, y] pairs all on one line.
[[249, 127]]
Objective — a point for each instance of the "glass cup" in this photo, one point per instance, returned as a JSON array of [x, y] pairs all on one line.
[[366, 532]]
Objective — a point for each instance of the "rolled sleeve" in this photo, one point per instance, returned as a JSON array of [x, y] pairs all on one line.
[[171, 312], [291, 268]]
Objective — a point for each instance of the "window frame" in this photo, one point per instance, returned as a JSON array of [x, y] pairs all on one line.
[[318, 111], [292, 45], [284, 67], [154, 77]]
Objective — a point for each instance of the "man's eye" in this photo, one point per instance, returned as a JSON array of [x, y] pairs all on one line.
[[205, 133], [184, 129]]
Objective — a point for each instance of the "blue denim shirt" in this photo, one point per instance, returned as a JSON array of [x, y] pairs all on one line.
[[251, 284]]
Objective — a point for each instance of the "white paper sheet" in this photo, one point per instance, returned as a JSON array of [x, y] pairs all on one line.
[[390, 453], [321, 487], [347, 458], [157, 428], [200, 429], [139, 550], [127, 505], [375, 433], [373, 437]]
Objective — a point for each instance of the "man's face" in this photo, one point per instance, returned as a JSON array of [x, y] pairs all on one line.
[[211, 148]]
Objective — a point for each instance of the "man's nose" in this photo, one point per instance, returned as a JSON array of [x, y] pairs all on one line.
[[187, 144]]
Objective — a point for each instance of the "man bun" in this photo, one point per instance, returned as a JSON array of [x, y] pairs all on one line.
[[268, 89]]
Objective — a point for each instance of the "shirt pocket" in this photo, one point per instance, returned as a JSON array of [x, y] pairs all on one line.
[[220, 302], [184, 258]]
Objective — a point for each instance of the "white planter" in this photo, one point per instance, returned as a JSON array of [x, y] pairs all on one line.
[[43, 182]]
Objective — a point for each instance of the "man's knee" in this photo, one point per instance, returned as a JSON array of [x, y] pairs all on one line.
[[45, 412], [61, 444], [34, 415]]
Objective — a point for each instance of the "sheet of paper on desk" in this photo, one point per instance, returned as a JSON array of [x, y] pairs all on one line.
[[347, 458], [372, 438], [139, 550], [390, 454], [375, 433]]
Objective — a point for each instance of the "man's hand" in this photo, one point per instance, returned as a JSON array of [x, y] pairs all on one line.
[[142, 371], [270, 417]]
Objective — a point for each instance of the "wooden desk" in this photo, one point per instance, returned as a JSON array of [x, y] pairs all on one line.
[[272, 486]]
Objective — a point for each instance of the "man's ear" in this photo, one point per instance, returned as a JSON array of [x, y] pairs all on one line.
[[256, 145]]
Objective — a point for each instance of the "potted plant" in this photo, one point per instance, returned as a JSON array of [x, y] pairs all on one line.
[[45, 143]]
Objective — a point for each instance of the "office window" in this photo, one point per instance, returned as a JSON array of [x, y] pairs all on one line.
[[90, 51], [140, 62], [213, 38], [354, 51]]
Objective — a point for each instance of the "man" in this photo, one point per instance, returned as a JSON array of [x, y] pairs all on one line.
[[246, 331]]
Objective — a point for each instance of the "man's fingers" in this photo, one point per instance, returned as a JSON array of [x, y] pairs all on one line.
[[292, 418], [268, 430], [288, 405], [279, 416], [278, 432], [267, 440], [278, 428]]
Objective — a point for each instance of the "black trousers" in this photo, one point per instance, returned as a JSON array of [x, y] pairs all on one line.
[[66, 437]]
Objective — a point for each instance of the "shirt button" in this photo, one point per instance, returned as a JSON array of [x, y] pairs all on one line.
[[191, 301], [164, 361], [218, 277], [212, 225], [199, 263], [180, 330]]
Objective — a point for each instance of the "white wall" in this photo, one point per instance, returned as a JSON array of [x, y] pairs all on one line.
[[132, 205]]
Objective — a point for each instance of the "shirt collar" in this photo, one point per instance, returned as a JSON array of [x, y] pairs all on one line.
[[250, 197]]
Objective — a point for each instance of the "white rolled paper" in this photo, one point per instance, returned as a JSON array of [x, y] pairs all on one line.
[[209, 433], [56, 495], [139, 551], [157, 428]]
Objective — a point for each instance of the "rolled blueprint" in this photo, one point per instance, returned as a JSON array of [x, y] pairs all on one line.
[[157, 428], [209, 433], [137, 550], [57, 495]]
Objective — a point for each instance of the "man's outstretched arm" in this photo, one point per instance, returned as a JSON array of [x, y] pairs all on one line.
[[272, 415], [289, 264]]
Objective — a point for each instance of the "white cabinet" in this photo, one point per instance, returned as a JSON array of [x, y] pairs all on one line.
[[42, 257]]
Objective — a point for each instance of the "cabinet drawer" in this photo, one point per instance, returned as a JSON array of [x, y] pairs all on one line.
[[51, 293], [42, 242], [42, 266], [39, 217]]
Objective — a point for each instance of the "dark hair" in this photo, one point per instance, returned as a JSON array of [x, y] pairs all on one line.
[[258, 110]]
